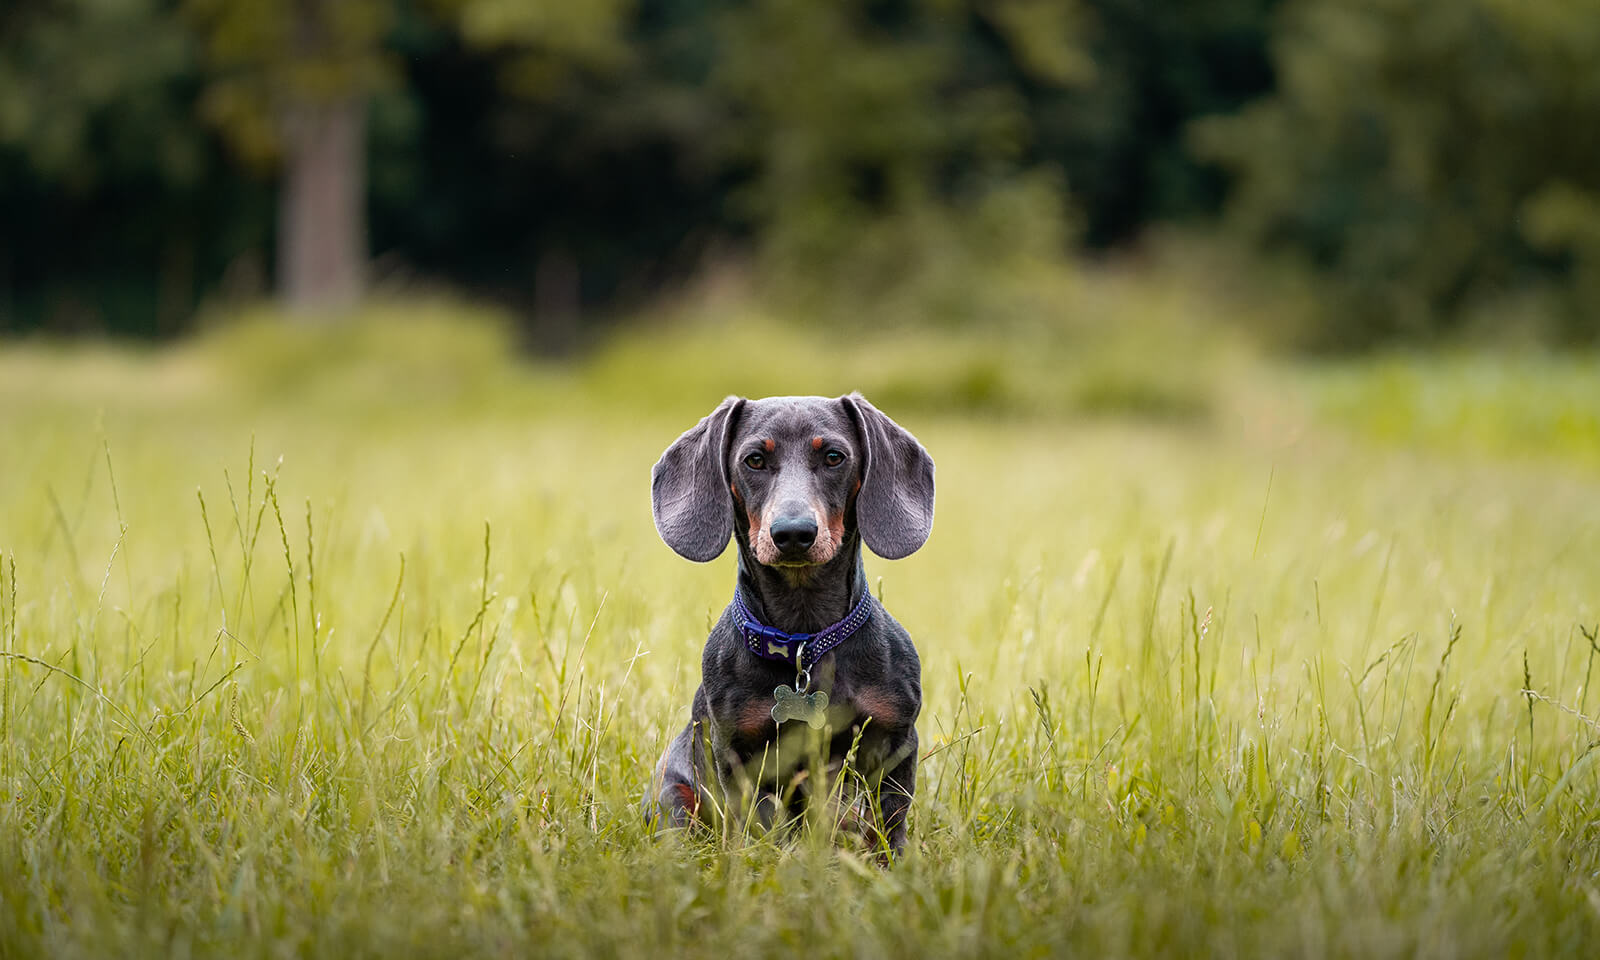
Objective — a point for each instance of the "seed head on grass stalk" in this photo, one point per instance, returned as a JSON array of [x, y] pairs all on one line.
[[271, 494], [1431, 739], [1591, 634]]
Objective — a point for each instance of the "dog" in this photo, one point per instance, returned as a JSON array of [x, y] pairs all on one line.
[[805, 668]]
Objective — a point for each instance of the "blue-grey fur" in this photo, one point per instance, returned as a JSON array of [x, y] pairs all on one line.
[[731, 760]]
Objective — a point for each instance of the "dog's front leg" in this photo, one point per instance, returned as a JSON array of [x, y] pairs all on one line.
[[897, 788], [734, 786], [676, 796]]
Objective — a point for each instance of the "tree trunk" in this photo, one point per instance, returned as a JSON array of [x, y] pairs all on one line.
[[322, 224]]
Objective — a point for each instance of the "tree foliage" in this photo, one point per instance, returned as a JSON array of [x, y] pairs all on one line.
[[1433, 160], [1430, 161], [263, 56], [886, 139], [90, 90]]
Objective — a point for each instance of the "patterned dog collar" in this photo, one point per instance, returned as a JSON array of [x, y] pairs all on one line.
[[801, 650]]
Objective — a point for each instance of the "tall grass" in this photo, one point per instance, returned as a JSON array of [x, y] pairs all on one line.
[[304, 656]]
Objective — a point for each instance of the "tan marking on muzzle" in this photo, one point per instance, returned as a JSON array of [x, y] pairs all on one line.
[[830, 535], [761, 537], [835, 530]]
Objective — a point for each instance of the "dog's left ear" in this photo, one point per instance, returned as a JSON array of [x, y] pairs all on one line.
[[895, 506], [689, 495]]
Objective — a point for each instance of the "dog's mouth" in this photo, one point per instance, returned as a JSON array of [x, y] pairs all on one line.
[[799, 561], [814, 548], [797, 570], [792, 560]]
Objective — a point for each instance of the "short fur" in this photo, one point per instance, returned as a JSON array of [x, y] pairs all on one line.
[[732, 758]]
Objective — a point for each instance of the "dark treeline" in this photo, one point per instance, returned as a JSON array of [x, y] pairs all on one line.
[[1432, 162]]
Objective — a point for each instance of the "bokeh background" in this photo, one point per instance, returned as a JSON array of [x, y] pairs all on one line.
[[1371, 172], [1254, 340]]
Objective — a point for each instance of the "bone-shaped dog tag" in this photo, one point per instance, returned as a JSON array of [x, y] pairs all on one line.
[[810, 707]]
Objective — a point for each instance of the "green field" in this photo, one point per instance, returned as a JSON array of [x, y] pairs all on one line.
[[363, 644]]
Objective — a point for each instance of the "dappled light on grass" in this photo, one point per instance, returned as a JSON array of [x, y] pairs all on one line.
[[367, 657]]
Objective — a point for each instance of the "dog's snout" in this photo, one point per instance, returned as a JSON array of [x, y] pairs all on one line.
[[794, 534]]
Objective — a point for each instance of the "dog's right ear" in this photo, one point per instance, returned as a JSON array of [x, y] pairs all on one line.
[[689, 492]]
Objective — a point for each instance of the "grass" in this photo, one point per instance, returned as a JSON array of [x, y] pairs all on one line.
[[364, 645], [1521, 406]]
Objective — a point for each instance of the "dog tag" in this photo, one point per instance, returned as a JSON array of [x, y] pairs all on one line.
[[810, 707]]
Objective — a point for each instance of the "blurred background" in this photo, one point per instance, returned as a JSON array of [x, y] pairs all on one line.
[[1251, 334], [1309, 175]]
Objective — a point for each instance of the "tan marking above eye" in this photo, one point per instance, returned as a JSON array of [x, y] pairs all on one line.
[[768, 445], [816, 443]]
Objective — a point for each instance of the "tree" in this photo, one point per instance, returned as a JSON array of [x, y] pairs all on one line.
[[1435, 161], [289, 83]]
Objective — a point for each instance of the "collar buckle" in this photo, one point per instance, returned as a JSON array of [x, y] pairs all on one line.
[[773, 634]]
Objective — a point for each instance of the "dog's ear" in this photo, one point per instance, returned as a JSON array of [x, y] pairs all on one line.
[[689, 494], [895, 506]]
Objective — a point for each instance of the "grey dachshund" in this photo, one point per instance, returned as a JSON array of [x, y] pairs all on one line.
[[805, 668]]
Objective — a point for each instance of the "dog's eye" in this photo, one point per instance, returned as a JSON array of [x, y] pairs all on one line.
[[833, 458], [755, 461]]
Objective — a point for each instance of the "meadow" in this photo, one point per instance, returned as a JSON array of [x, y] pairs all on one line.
[[361, 643]]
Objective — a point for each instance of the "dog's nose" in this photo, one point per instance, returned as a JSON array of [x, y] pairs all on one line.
[[794, 534]]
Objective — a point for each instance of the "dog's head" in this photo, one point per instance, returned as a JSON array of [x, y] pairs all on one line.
[[795, 476]]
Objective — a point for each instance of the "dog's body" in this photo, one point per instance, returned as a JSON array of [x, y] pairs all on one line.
[[798, 483]]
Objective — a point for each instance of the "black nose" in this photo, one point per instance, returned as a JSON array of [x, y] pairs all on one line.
[[794, 534]]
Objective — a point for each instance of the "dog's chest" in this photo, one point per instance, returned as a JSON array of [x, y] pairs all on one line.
[[849, 702], [859, 717], [791, 749]]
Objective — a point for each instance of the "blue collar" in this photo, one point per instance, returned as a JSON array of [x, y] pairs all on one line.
[[802, 650]]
